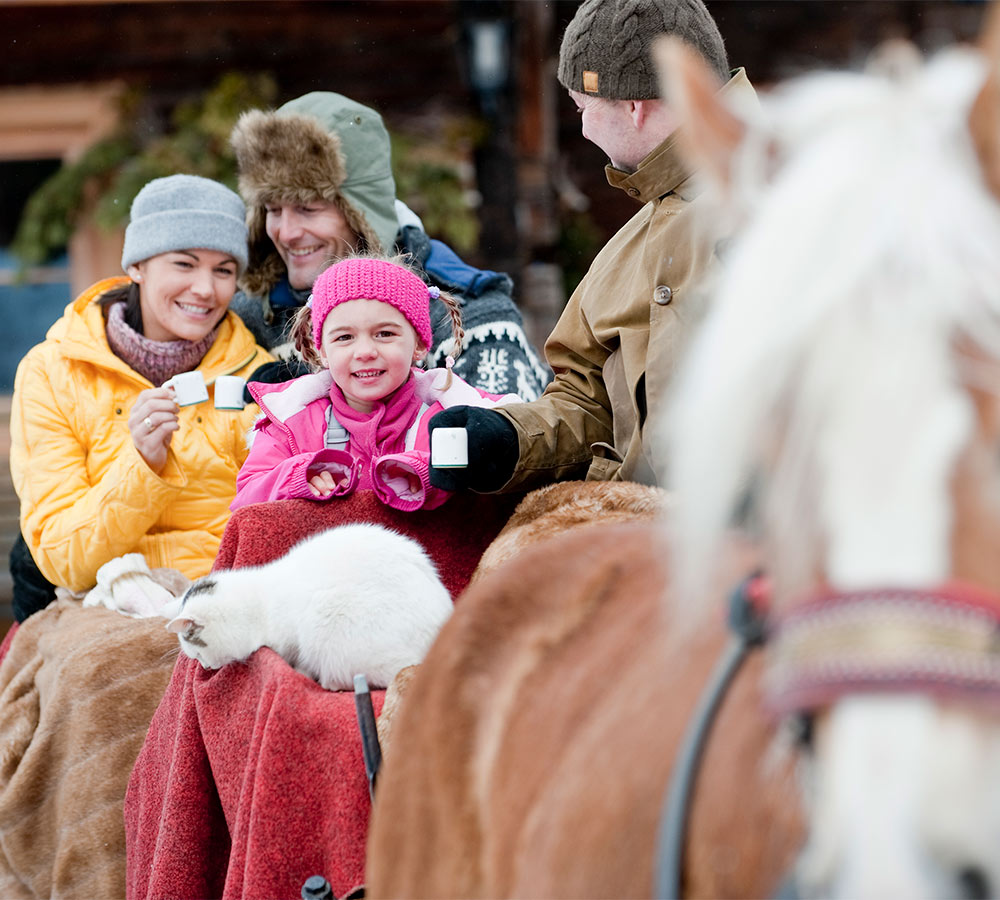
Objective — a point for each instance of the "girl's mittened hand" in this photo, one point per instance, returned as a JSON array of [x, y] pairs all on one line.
[[402, 478], [322, 485], [152, 422]]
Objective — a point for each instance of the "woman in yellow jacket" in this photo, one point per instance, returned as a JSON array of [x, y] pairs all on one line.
[[104, 460]]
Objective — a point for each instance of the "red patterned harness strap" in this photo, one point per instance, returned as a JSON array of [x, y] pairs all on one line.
[[944, 642]]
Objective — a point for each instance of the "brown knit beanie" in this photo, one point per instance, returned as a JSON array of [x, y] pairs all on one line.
[[605, 50]]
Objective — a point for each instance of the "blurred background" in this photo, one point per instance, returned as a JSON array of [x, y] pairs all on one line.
[[98, 97]]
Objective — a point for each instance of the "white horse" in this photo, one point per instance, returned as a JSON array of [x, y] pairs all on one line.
[[847, 378]]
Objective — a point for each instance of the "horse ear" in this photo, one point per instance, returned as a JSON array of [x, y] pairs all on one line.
[[709, 131], [984, 117]]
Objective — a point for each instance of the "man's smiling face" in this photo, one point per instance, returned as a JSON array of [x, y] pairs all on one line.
[[308, 237]]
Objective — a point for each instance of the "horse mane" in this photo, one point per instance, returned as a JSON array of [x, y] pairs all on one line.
[[825, 382]]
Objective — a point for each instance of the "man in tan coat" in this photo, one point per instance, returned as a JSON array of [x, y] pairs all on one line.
[[617, 343]]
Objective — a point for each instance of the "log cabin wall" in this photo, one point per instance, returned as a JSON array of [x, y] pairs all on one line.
[[538, 178]]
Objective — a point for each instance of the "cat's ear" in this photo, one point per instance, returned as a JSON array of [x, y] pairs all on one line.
[[181, 623]]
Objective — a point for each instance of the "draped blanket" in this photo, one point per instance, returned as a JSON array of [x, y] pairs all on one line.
[[77, 690], [251, 779]]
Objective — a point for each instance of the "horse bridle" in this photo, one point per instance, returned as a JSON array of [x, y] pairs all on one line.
[[945, 641], [748, 620]]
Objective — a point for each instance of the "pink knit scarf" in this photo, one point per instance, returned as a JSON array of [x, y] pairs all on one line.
[[155, 360]]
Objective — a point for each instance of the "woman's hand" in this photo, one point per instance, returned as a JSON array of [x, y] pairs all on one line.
[[152, 422]]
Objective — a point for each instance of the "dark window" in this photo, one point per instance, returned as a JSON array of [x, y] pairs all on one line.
[[18, 181]]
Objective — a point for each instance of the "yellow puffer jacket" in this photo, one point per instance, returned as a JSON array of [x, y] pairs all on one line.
[[86, 494]]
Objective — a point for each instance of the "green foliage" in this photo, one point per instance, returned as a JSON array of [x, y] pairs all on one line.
[[434, 177], [106, 178], [52, 212], [433, 173], [579, 241]]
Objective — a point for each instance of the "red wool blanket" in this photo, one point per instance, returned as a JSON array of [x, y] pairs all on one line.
[[251, 778]]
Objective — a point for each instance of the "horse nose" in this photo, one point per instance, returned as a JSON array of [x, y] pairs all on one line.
[[974, 883]]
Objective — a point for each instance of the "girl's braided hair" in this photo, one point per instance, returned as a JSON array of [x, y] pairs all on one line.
[[300, 329]]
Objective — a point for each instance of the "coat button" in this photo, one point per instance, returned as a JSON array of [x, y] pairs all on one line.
[[662, 294], [632, 192]]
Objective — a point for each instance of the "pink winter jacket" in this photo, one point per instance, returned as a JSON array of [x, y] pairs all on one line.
[[384, 447]]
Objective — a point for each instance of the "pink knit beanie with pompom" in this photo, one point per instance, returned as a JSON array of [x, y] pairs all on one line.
[[372, 279]]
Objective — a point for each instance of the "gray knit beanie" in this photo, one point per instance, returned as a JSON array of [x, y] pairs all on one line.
[[185, 212], [605, 50]]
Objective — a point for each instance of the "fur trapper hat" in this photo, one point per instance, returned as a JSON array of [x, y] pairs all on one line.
[[321, 146]]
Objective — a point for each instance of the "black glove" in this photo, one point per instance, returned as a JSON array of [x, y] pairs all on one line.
[[275, 373], [493, 450]]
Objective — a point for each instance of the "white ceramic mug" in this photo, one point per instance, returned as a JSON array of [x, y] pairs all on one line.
[[189, 388], [229, 392], [449, 448]]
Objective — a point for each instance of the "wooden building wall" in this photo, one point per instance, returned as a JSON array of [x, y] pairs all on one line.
[[406, 58]]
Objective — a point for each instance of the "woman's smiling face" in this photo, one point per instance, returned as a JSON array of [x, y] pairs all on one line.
[[184, 294], [369, 347]]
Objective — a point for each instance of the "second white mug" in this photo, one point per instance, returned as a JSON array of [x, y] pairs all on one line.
[[229, 392]]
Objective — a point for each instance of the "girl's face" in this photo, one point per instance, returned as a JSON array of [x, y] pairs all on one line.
[[369, 347], [184, 294]]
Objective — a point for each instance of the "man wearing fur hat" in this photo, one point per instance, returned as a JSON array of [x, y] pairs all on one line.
[[617, 342], [317, 181]]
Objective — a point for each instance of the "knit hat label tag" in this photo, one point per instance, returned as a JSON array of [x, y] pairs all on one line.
[[590, 82]]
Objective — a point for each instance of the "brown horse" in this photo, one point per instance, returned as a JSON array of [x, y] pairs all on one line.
[[846, 379], [532, 752], [551, 510]]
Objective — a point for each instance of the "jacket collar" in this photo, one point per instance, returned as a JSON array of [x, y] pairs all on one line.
[[393, 413], [663, 171], [80, 333], [286, 399]]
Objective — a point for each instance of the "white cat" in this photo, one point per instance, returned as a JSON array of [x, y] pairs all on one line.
[[354, 599]]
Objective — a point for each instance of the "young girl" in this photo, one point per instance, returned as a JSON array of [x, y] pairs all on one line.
[[360, 422]]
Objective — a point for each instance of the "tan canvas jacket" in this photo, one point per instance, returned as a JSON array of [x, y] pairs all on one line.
[[616, 346]]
